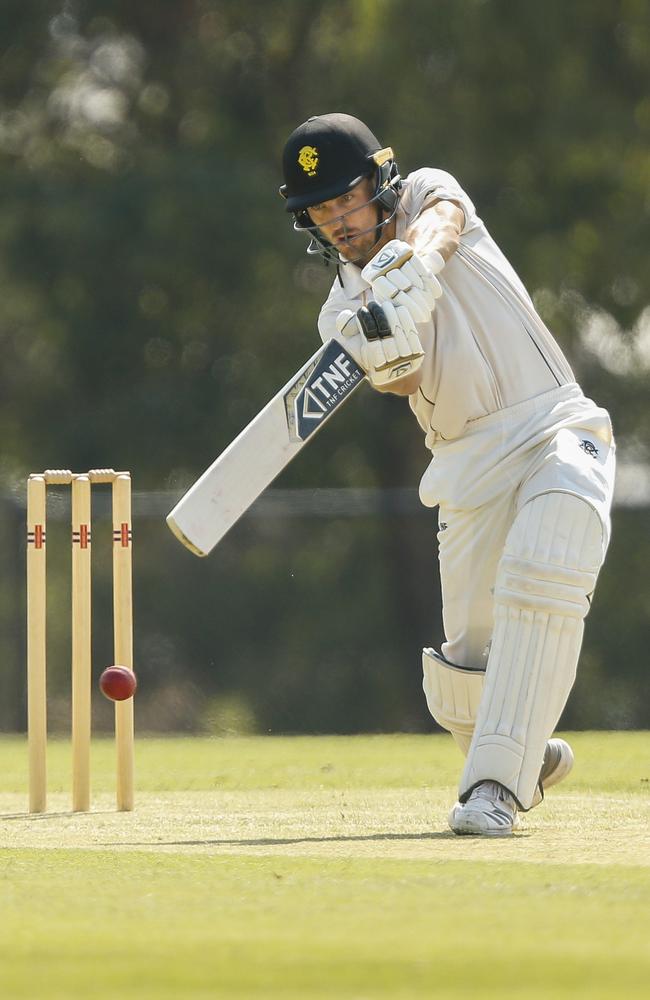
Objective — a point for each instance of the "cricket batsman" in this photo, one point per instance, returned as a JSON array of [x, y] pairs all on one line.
[[522, 466]]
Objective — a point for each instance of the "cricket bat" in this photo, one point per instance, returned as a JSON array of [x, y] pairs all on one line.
[[262, 450]]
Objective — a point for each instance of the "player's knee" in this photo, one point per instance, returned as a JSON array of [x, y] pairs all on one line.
[[552, 557], [470, 646]]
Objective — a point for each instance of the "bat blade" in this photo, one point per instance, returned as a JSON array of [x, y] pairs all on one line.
[[264, 448]]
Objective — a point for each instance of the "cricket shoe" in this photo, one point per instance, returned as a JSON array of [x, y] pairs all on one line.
[[490, 811], [558, 761]]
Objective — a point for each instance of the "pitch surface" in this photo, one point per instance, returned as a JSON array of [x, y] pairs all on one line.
[[322, 867]]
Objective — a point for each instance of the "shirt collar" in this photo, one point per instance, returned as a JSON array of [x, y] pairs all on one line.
[[353, 283]]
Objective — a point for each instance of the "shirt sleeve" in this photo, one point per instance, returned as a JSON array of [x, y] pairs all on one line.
[[427, 185]]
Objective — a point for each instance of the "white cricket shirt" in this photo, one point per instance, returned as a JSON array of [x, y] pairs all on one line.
[[486, 348]]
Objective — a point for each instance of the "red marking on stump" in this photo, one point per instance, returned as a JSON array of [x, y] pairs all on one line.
[[37, 536], [123, 535], [82, 537]]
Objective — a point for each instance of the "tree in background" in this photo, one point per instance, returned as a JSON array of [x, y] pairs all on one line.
[[153, 296]]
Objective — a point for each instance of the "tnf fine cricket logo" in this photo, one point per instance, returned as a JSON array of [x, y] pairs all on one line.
[[320, 389], [308, 160]]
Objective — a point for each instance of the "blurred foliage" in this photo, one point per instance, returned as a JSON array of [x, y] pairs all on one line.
[[153, 296]]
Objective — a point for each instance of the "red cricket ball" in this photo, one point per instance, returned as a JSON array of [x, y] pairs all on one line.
[[118, 683]]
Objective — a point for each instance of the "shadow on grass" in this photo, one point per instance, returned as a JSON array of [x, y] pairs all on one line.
[[278, 841]]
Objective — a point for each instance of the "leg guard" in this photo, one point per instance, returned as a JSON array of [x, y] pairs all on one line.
[[453, 695], [548, 570]]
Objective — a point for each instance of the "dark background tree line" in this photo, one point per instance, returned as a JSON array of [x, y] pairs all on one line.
[[153, 297]]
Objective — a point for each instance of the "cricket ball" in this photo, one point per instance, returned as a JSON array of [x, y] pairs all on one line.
[[118, 683]]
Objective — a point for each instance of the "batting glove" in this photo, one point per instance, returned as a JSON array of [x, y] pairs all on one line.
[[396, 274], [387, 340]]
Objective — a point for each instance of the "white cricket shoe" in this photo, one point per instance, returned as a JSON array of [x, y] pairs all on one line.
[[490, 811], [558, 761]]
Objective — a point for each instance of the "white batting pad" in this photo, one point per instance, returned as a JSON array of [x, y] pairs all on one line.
[[453, 695], [547, 572]]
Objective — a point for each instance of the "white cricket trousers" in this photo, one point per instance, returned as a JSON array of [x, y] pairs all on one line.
[[559, 441]]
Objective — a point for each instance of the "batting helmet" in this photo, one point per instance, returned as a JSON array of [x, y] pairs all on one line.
[[325, 157]]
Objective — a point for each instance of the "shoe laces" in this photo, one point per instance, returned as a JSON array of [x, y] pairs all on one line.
[[492, 791]]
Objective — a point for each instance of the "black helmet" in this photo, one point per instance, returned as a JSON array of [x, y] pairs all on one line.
[[325, 157]]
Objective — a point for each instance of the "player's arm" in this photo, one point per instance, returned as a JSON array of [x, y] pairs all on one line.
[[404, 271], [402, 276], [437, 229]]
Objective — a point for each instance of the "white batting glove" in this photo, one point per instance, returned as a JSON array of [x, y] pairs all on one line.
[[396, 274], [387, 340]]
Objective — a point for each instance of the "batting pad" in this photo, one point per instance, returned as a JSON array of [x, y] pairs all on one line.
[[548, 570], [453, 695]]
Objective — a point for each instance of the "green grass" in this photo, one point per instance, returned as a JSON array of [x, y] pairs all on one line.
[[322, 867]]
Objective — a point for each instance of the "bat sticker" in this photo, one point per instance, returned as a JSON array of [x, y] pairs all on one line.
[[320, 389]]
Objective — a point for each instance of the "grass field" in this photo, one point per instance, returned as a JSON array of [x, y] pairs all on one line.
[[323, 867]]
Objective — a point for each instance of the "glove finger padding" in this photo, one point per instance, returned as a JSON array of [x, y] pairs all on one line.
[[373, 323], [418, 304], [392, 347], [421, 277], [400, 277], [402, 346], [388, 288], [384, 288], [403, 329], [424, 287], [428, 268], [397, 274], [380, 319]]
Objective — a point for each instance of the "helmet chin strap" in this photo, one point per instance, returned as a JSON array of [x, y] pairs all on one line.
[[381, 225]]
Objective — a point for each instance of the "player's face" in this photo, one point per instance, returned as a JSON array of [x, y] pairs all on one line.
[[349, 223]]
